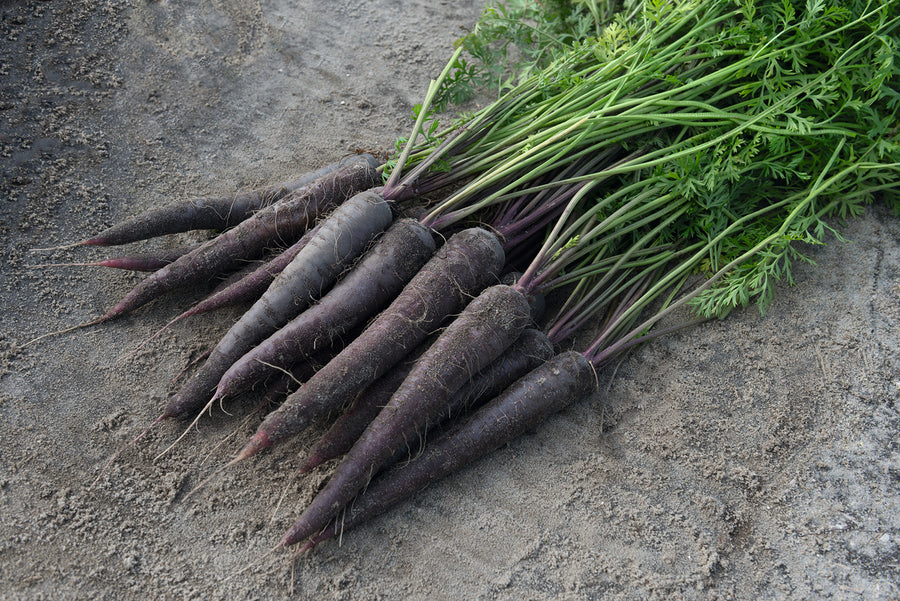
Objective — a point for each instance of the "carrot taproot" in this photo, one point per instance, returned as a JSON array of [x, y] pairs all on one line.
[[342, 237], [211, 212], [530, 350], [547, 389], [487, 327], [345, 430], [135, 262], [245, 286], [370, 286], [249, 283], [464, 265], [284, 220]]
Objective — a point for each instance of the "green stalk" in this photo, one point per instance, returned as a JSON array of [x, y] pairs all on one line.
[[433, 87]]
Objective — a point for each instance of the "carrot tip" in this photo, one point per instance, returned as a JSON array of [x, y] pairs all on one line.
[[256, 444], [86, 324], [42, 265], [311, 463]]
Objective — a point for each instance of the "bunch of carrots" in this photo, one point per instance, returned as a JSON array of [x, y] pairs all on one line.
[[642, 157]]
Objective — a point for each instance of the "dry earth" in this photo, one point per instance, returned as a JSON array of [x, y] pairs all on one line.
[[752, 458]]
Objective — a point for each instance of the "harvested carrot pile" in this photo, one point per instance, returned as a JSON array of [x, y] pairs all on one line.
[[637, 159]]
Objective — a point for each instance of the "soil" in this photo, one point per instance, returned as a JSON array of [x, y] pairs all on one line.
[[755, 457]]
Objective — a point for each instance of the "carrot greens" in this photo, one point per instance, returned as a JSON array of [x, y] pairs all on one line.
[[720, 111]]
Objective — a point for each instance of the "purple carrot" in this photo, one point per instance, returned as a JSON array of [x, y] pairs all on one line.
[[136, 262], [480, 334], [347, 428], [342, 237], [547, 389], [530, 350], [247, 267], [285, 220], [372, 284], [213, 212], [248, 287], [469, 261]]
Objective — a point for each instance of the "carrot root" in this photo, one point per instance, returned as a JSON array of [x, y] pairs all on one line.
[[547, 389], [342, 237], [468, 261], [65, 331], [211, 212], [480, 334], [375, 280]]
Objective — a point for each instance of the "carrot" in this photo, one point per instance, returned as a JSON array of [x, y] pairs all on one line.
[[246, 286], [372, 284], [249, 283], [486, 328], [469, 261], [212, 212], [530, 350], [353, 421], [340, 239], [136, 262], [547, 389], [284, 220]]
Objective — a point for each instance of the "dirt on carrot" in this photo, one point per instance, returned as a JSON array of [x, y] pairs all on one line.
[[750, 458]]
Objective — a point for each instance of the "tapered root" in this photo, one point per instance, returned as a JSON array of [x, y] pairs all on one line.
[[94, 322], [91, 264], [256, 444]]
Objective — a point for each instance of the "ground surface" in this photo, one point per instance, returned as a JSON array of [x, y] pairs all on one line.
[[753, 458]]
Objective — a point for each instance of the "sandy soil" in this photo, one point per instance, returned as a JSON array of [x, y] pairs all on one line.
[[752, 458]]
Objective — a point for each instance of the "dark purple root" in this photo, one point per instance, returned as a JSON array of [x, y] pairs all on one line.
[[549, 388], [469, 261], [347, 428], [530, 350], [282, 222], [369, 287], [337, 243], [480, 334], [212, 212], [251, 285], [136, 262]]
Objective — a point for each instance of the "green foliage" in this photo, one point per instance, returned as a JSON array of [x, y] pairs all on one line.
[[517, 38], [759, 122]]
